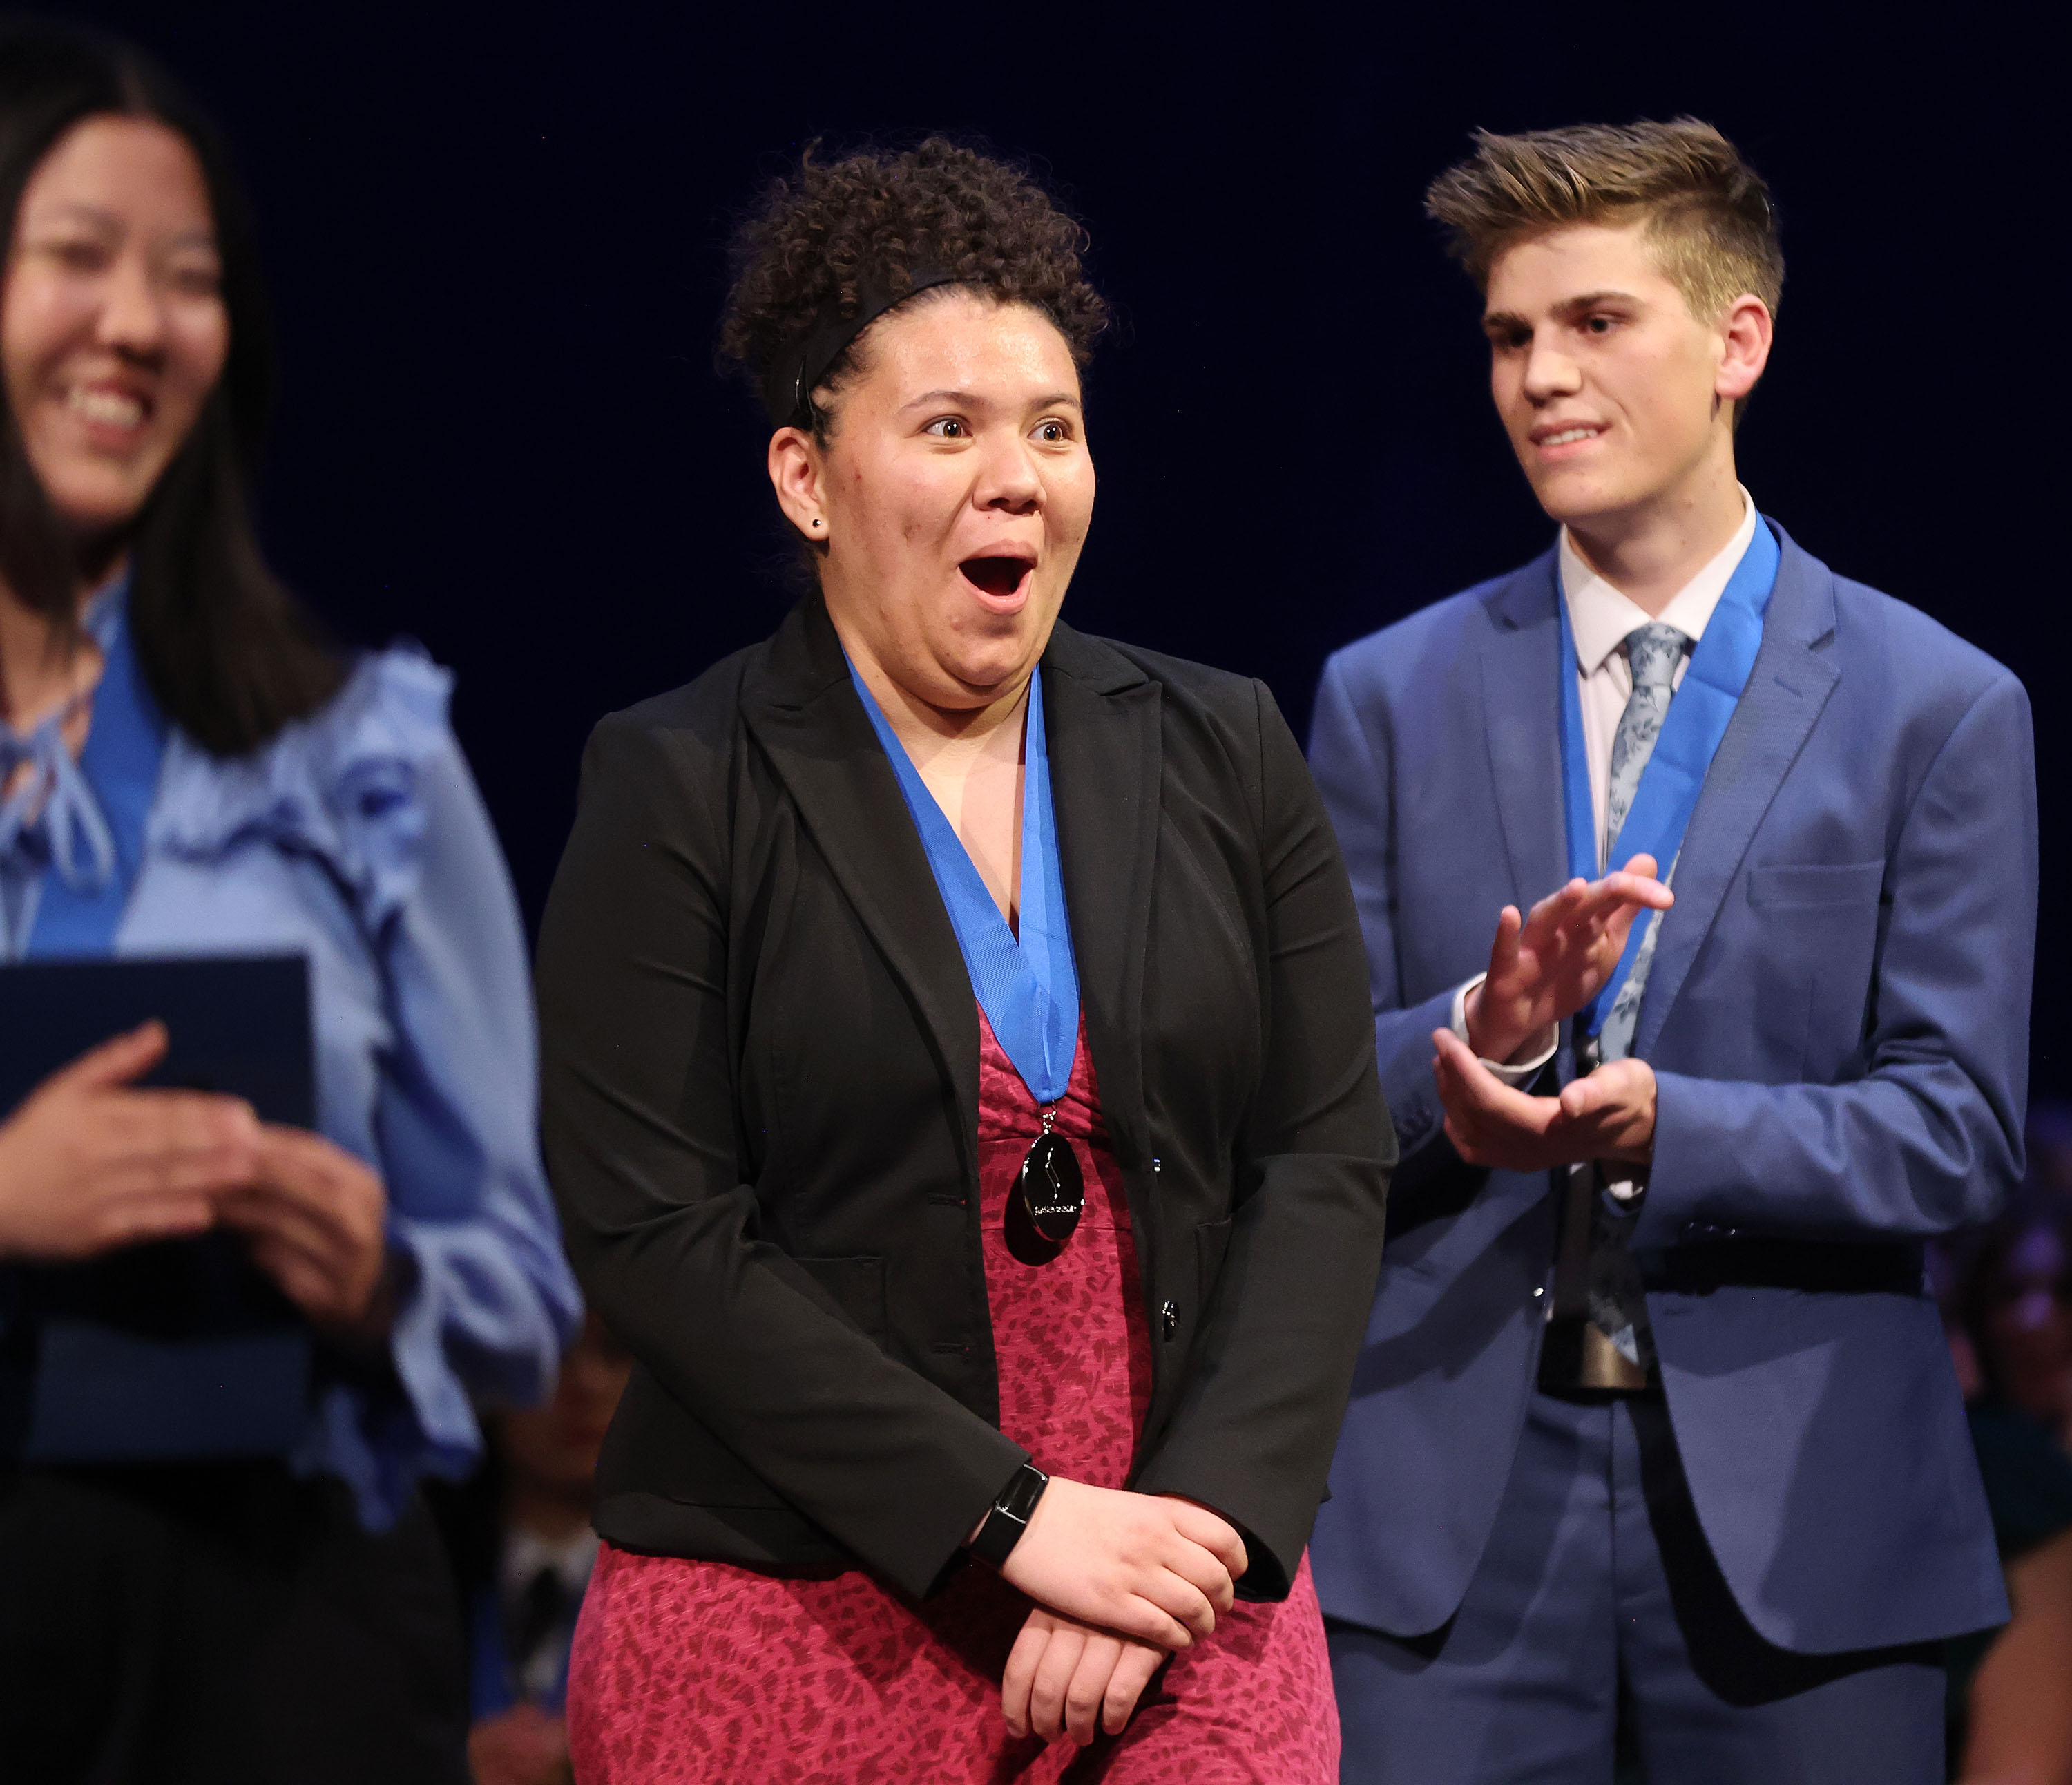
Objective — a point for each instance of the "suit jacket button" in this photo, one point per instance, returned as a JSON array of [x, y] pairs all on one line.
[[1169, 1318]]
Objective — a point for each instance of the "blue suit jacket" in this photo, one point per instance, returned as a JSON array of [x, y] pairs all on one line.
[[1837, 1019]]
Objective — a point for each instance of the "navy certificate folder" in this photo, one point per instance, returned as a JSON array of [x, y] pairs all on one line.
[[238, 1024], [179, 1349]]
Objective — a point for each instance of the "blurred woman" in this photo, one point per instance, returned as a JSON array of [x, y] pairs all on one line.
[[961, 1090], [2017, 1305], [2011, 1689], [185, 769]]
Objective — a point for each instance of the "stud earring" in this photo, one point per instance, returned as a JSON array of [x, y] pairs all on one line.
[[816, 520]]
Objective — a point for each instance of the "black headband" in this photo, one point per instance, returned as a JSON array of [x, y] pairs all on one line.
[[800, 365]]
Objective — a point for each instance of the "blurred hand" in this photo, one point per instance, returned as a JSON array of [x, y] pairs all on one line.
[[1546, 966], [523, 1745], [1608, 1115], [1151, 1566], [88, 1164], [1066, 1678], [315, 1217]]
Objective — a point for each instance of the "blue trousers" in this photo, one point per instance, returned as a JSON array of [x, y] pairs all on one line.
[[1598, 1586]]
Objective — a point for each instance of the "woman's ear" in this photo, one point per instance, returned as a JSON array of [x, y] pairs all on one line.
[[1745, 332], [795, 471]]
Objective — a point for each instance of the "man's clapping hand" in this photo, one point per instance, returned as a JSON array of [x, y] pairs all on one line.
[[1609, 1115], [1545, 966]]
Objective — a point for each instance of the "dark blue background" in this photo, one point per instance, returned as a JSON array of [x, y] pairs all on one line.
[[496, 240]]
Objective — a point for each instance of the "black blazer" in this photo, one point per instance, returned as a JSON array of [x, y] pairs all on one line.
[[760, 1059]]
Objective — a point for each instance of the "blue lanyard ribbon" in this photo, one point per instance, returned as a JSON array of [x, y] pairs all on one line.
[[106, 802], [1697, 719], [1030, 988]]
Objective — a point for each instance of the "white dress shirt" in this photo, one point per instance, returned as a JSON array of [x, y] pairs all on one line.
[[526, 1554], [1601, 617]]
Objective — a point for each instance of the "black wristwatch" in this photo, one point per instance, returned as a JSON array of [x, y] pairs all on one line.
[[1009, 1516]]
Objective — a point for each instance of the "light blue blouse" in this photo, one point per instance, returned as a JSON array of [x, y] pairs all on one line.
[[357, 837]]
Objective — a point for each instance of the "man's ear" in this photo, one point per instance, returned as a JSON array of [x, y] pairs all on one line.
[[795, 475], [1746, 331]]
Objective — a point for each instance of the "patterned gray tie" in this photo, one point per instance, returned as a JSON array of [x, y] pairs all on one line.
[[1604, 1285], [1654, 651]]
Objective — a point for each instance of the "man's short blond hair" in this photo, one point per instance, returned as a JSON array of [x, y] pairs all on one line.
[[1705, 212]]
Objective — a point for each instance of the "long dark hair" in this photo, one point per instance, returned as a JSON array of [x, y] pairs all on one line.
[[231, 656]]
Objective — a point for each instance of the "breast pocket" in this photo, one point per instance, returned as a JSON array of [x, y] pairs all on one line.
[[1816, 960], [1801, 884]]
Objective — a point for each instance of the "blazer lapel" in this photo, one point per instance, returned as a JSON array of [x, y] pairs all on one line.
[[801, 706], [1103, 715], [1521, 669], [1787, 690]]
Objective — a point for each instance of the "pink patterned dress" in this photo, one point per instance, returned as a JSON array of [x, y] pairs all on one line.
[[687, 1671]]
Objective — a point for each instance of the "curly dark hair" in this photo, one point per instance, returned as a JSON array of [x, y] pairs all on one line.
[[875, 218]]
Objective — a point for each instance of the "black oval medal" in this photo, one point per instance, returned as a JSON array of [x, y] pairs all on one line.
[[1049, 1186]]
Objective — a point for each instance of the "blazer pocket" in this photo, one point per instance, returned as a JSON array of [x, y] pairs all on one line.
[[1212, 1241], [1803, 884], [857, 1287]]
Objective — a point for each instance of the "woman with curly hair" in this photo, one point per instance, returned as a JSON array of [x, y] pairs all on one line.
[[960, 1089]]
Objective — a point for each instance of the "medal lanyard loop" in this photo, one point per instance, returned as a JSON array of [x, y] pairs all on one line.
[[1700, 712], [1029, 986]]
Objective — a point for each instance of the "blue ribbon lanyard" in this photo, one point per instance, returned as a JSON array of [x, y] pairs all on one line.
[[1697, 719], [78, 914], [1029, 989]]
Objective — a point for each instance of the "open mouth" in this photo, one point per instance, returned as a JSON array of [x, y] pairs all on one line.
[[998, 577]]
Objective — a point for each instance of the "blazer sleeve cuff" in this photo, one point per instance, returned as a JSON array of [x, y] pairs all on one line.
[[1514, 1073], [1402, 1039], [1273, 1547], [1673, 1212]]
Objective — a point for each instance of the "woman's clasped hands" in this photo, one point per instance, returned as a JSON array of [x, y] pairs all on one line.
[[1120, 1579], [90, 1163]]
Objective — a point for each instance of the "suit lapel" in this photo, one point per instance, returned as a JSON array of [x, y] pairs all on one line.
[[1521, 669], [1103, 716], [802, 708], [1786, 691]]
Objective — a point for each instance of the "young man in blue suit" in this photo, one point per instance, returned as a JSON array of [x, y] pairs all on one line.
[[1654, 1406]]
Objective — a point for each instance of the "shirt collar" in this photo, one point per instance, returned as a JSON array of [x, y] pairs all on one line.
[[525, 1554], [1601, 616]]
